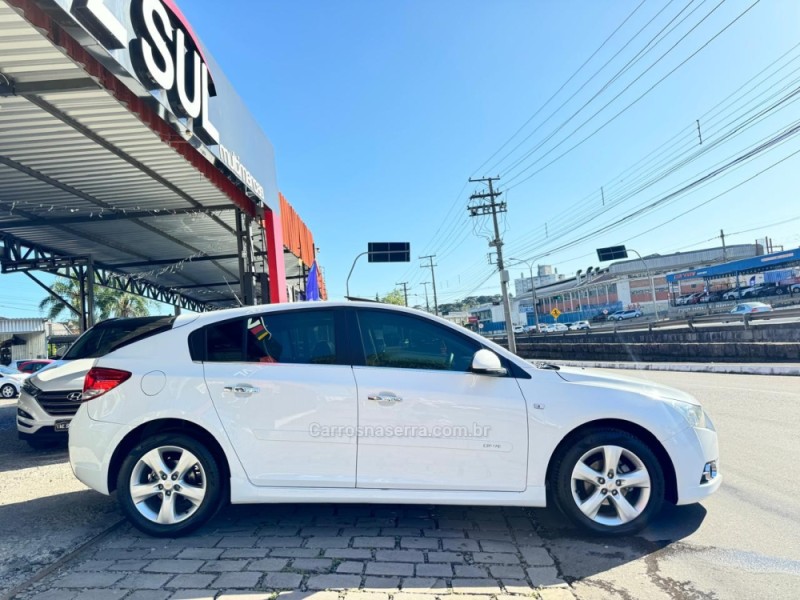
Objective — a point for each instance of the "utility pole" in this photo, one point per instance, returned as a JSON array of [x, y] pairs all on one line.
[[405, 290], [433, 280], [724, 249], [427, 304], [493, 208]]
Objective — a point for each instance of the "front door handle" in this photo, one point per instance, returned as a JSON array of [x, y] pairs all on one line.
[[387, 397], [241, 388]]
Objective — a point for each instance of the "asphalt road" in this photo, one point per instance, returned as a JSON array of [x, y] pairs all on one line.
[[742, 543]]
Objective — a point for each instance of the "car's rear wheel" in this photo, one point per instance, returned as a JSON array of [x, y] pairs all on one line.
[[8, 391], [608, 481], [169, 485]]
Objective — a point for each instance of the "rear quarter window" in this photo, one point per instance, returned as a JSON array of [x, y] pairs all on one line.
[[113, 334]]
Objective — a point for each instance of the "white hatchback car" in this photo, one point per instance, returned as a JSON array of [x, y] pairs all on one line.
[[361, 402]]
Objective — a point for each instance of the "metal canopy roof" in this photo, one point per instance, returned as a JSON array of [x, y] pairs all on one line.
[[82, 175]]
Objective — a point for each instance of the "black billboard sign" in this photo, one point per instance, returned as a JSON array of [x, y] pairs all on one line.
[[386, 252], [612, 253]]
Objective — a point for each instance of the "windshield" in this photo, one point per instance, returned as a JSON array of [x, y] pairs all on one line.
[[110, 335], [8, 371]]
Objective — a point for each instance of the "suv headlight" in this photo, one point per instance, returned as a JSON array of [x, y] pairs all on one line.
[[694, 414], [29, 388]]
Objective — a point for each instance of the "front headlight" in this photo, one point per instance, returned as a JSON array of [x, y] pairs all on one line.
[[693, 413]]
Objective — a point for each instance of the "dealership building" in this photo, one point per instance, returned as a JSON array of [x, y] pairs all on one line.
[[632, 283], [128, 160]]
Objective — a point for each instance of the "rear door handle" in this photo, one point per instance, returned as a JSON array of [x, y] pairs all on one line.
[[387, 397], [241, 388]]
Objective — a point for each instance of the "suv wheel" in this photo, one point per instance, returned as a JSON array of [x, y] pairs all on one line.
[[609, 482], [169, 485]]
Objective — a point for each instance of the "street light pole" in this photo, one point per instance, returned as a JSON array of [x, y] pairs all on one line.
[[533, 290]]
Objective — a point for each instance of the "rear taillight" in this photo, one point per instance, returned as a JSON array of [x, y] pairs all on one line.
[[100, 380]]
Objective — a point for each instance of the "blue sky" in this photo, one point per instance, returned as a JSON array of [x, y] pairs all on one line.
[[380, 111]]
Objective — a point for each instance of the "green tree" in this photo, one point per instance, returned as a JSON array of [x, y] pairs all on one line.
[[121, 304], [107, 303], [394, 297]]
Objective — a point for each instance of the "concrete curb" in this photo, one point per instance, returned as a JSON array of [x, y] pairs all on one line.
[[732, 368]]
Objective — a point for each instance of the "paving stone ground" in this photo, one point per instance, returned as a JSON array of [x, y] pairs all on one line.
[[321, 552]]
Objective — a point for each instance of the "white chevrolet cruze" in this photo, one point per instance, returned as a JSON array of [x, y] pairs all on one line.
[[358, 402]]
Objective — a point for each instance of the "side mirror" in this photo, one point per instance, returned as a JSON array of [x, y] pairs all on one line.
[[486, 362]]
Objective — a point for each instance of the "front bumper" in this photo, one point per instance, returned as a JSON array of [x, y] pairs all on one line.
[[32, 420], [692, 450]]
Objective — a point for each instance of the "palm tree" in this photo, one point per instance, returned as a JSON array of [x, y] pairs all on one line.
[[128, 305], [107, 302]]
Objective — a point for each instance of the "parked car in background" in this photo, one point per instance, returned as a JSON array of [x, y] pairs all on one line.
[[33, 365], [10, 382], [748, 308], [711, 297], [253, 404], [762, 289], [600, 317], [579, 325], [773, 289], [744, 292], [519, 329], [50, 398], [558, 327], [621, 315], [687, 298]]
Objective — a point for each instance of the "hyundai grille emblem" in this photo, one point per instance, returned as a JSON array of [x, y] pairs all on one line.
[[75, 396]]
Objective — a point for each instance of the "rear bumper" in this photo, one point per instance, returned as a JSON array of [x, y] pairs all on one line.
[[91, 444]]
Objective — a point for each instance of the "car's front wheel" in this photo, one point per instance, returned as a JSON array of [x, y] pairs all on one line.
[[169, 485], [8, 391], [608, 482]]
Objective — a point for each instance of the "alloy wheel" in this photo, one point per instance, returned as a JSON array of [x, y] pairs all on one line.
[[8, 391], [610, 485], [168, 485]]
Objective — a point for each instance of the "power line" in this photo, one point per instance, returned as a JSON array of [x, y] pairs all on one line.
[[612, 119], [563, 85], [642, 52]]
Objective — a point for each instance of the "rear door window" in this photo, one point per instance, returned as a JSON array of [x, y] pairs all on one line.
[[293, 337]]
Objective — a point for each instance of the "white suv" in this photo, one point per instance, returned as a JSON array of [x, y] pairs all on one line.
[[51, 397], [362, 402]]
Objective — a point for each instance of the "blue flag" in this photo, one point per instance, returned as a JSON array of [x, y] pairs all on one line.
[[312, 283]]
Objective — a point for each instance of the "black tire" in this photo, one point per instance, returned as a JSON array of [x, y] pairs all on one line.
[[216, 487], [8, 391], [565, 462]]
